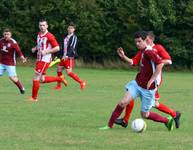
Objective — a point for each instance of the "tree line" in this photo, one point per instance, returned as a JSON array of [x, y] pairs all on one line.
[[104, 25]]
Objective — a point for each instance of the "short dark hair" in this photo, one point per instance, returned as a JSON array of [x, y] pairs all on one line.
[[72, 24], [151, 35], [43, 20], [140, 34], [6, 30]]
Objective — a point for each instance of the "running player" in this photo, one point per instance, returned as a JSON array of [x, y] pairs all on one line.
[[144, 84], [46, 45], [8, 48], [160, 106], [68, 55]]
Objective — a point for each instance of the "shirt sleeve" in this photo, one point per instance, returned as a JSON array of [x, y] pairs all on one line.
[[18, 50], [136, 59], [53, 41], [153, 56], [162, 52]]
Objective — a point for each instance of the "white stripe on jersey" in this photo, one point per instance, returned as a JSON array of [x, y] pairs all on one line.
[[43, 44]]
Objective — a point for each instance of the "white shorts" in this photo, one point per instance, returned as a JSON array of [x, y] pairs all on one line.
[[11, 70], [147, 96]]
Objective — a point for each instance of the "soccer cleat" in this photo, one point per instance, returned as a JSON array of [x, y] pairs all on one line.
[[55, 61], [177, 119], [105, 128], [169, 124], [63, 80], [22, 91], [82, 85], [121, 122], [31, 99], [57, 87]]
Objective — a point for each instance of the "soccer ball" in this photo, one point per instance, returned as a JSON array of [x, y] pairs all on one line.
[[138, 125]]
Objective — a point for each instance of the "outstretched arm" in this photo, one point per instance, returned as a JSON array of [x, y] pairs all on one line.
[[122, 55]]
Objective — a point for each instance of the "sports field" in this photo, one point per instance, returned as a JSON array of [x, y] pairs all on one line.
[[69, 119]]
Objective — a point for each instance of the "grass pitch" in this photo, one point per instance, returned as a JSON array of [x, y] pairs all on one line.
[[69, 119]]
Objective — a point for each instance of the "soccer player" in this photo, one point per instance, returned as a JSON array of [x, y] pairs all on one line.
[[160, 106], [68, 54], [46, 45], [144, 84], [8, 48]]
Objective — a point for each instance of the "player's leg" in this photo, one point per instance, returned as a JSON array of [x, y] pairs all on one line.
[[39, 71], [59, 74], [69, 64], [49, 79], [131, 93], [163, 108], [35, 86], [147, 103], [128, 111], [60, 68], [11, 70], [124, 121]]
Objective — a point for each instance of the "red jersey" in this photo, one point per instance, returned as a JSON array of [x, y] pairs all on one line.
[[45, 42], [148, 62], [161, 51], [8, 50]]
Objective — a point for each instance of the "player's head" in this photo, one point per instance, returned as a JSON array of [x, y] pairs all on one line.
[[140, 39], [7, 34], [150, 38], [43, 25], [71, 28]]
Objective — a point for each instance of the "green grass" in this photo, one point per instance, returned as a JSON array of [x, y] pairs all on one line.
[[69, 119]]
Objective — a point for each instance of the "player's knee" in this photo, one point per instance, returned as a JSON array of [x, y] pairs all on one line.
[[59, 69], [144, 115], [124, 102], [68, 72], [156, 104], [13, 78]]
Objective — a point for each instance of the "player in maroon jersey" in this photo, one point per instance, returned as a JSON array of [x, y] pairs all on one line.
[[68, 55], [160, 106], [46, 45], [8, 48], [144, 85]]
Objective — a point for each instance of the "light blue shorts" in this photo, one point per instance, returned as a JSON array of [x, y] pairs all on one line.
[[11, 71], [147, 96]]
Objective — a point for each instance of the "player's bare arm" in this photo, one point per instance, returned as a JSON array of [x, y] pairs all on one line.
[[122, 55], [23, 59], [34, 49], [155, 74], [167, 62], [53, 50]]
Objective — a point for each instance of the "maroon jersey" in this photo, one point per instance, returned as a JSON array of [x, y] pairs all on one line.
[[148, 62], [8, 50]]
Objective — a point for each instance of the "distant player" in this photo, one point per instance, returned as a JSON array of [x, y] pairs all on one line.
[[160, 106], [8, 49], [144, 84], [68, 55], [46, 45]]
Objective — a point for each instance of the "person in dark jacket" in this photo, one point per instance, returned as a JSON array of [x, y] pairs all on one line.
[[69, 51]]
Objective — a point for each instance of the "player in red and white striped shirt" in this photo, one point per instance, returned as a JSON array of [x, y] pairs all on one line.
[[8, 50], [46, 45]]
